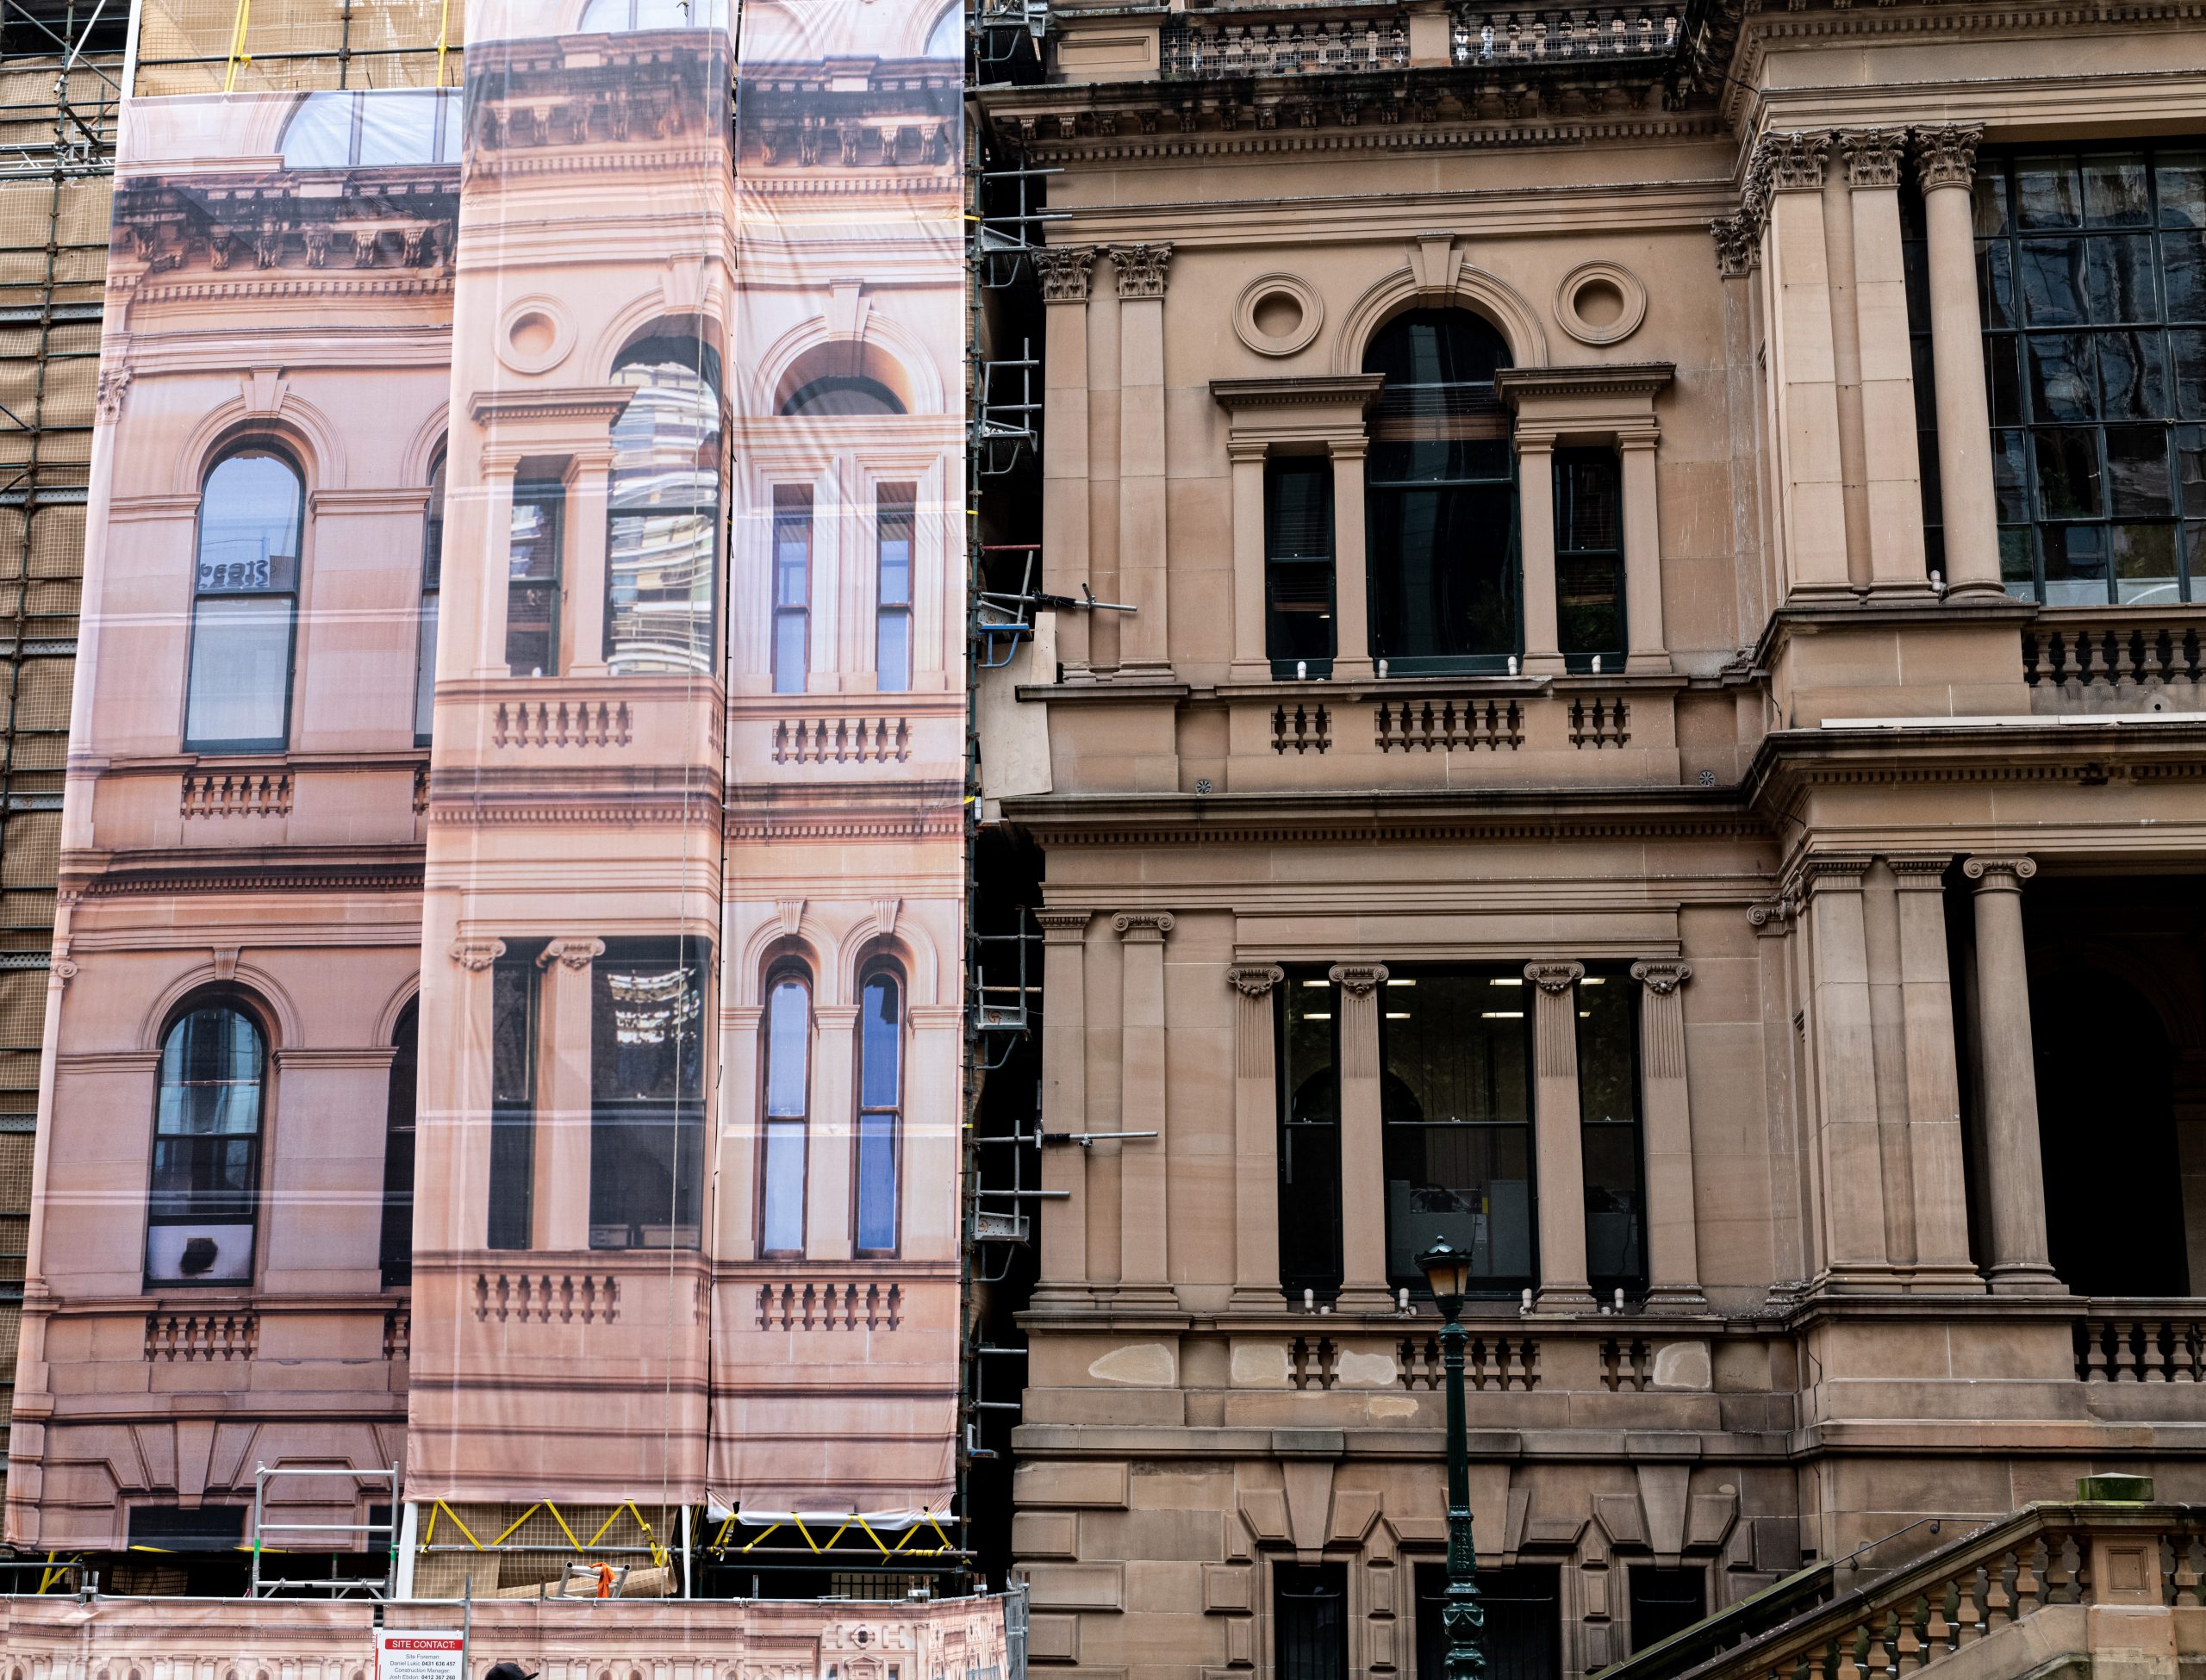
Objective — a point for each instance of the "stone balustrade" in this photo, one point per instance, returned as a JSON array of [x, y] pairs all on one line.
[[2115, 659], [1299, 47], [830, 1306], [1566, 35], [2151, 1342]]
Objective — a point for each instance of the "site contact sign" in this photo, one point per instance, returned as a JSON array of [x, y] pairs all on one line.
[[406, 1655]]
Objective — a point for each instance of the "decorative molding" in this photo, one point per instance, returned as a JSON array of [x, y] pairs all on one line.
[[1066, 272], [1304, 297], [1629, 287], [591, 403], [1139, 270], [1254, 980], [1738, 246], [1872, 155], [573, 953], [1772, 916], [477, 955], [1063, 927], [1143, 926], [1554, 978], [1662, 978], [1306, 390], [1997, 873], [114, 384], [1357, 978], [1645, 379], [1946, 157]]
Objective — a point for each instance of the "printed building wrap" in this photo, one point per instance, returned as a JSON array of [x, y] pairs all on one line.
[[505, 1013]]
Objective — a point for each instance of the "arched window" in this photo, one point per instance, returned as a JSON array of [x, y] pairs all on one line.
[[207, 1148], [397, 1247], [384, 128], [788, 1033], [246, 599], [432, 554], [664, 538], [880, 1108], [1441, 497], [947, 39], [612, 17], [839, 395]]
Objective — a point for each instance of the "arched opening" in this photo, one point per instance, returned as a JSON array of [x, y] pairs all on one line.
[[663, 540], [1441, 497], [207, 1126], [787, 1031], [842, 380], [947, 39], [244, 600], [2113, 1198], [881, 1107], [397, 1245]]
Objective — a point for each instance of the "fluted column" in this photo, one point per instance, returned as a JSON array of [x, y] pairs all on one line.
[[1351, 583], [1144, 1224], [1139, 272], [564, 1103], [1063, 1250], [1672, 1229], [1255, 1135], [1891, 467], [1363, 1152], [1065, 273], [1947, 161], [1934, 1100], [1804, 363], [2021, 1262], [1535, 531], [1557, 1142]]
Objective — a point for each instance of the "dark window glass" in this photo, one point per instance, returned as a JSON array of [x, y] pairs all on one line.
[[171, 1529], [662, 534], [1441, 497], [245, 586], [1299, 563], [1457, 1103], [647, 1094], [2095, 256], [1524, 1630], [792, 587], [1310, 1136], [881, 1099], [425, 660], [787, 1031], [396, 1249], [1665, 1602], [512, 1100], [1993, 290], [1589, 557], [1608, 1102], [206, 1177], [841, 395], [533, 581], [895, 517], [1309, 1621]]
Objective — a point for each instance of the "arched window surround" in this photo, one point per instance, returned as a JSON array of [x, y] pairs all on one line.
[[786, 1079], [226, 572], [396, 1247], [198, 1193], [662, 497], [880, 1084]]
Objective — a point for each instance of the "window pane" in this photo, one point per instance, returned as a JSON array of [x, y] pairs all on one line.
[[513, 1034], [2053, 282], [2190, 466], [1309, 1621], [2067, 474], [210, 1074], [646, 1030], [792, 585], [895, 517], [2137, 471], [2118, 279], [1310, 1149], [1298, 559], [2075, 564], [781, 1221], [789, 1049], [880, 1045], [2002, 379], [1988, 202], [2144, 564], [2061, 387], [2133, 378], [2048, 192], [532, 594], [2181, 178], [658, 604], [199, 1253], [2011, 475], [646, 1178], [791, 630], [2187, 351], [2183, 261], [1995, 285], [240, 671], [249, 526], [2113, 189], [1522, 1622], [395, 1249], [893, 652], [877, 1182], [425, 671], [664, 535], [1446, 572], [647, 1091]]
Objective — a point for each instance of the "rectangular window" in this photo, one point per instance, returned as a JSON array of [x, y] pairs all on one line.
[[1457, 1110], [1608, 1102], [1310, 1135], [792, 586], [1299, 563], [1665, 1602], [533, 581], [1589, 557], [432, 563], [1309, 1621], [647, 1094], [2092, 269], [241, 670], [171, 1529], [1524, 1626], [787, 1034], [894, 522], [512, 1100]]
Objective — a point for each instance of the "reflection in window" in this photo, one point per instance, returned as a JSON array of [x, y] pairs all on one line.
[[246, 598], [1456, 1104], [384, 128], [662, 543], [1589, 556], [788, 1097], [513, 1100], [612, 17], [893, 512], [1310, 1136], [1608, 1104], [533, 581], [881, 1100], [792, 586], [396, 1248], [1523, 1621], [432, 561], [1442, 495], [841, 395], [205, 1148], [647, 1094], [1299, 563], [1309, 1621], [2092, 268]]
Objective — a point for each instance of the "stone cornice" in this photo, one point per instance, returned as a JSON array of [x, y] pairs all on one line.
[[600, 403], [1615, 379], [1296, 391]]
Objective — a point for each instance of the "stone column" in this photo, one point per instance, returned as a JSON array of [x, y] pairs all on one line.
[[586, 575], [563, 1104], [1251, 654], [454, 1145], [1642, 554], [1557, 1125], [2020, 1259], [1891, 469], [829, 1133], [1363, 1164], [1842, 1071], [1140, 273], [497, 562], [1255, 1137], [1065, 272], [1934, 1099], [1804, 363], [1063, 1250], [1145, 1223], [1673, 1233], [1947, 164], [1351, 582], [1536, 530]]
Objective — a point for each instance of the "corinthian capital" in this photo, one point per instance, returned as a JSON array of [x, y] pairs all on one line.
[[1065, 270], [1140, 269], [1871, 155], [1793, 161], [1738, 246], [1946, 156]]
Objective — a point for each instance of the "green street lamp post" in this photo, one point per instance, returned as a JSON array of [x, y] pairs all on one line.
[[1448, 1270]]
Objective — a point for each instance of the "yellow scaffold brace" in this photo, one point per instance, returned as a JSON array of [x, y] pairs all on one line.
[[437, 1508], [903, 1547], [57, 1569], [238, 54], [444, 39]]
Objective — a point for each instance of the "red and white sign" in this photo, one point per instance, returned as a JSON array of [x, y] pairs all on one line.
[[408, 1654]]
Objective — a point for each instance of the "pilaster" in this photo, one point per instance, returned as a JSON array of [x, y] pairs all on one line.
[[1946, 158], [1063, 1253], [1363, 1172], [1891, 468], [1255, 1135], [1144, 1222], [1139, 272], [563, 1106], [1066, 273], [1673, 1233], [1556, 1125]]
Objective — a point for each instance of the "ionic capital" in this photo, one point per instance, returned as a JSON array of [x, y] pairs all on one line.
[[477, 955], [1999, 874], [1254, 981], [1063, 927], [1357, 978], [1144, 927], [575, 954], [1661, 978], [1554, 978]]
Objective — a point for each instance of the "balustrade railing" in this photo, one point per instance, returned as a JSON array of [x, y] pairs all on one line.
[[1446, 724], [1299, 48], [1566, 35], [2086, 650], [2115, 1344], [830, 1306], [542, 1297]]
